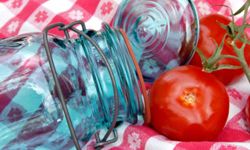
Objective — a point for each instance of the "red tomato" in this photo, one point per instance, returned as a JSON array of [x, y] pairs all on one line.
[[188, 104], [211, 32], [247, 112]]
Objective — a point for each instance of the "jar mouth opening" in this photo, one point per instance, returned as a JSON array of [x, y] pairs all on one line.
[[119, 36], [146, 106]]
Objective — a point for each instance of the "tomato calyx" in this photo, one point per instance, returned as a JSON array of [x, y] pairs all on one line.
[[235, 34], [211, 64], [188, 98]]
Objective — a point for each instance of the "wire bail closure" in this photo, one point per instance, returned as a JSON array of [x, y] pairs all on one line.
[[65, 28]]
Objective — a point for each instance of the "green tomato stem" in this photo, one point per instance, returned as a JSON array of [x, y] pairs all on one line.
[[241, 33], [237, 33], [242, 60]]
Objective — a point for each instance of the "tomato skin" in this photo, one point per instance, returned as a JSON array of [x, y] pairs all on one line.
[[211, 32], [174, 115], [247, 112]]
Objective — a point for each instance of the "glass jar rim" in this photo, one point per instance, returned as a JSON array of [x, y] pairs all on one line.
[[122, 33]]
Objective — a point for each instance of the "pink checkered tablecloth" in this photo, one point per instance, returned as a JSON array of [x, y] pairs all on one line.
[[22, 16]]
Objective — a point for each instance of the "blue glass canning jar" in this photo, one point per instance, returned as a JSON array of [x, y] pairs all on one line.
[[56, 93], [163, 33]]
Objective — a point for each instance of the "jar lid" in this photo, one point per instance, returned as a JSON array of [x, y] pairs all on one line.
[[163, 33]]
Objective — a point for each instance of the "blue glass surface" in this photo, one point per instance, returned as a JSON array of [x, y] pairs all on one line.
[[30, 112]]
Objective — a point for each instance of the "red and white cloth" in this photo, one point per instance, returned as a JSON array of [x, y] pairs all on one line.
[[24, 16]]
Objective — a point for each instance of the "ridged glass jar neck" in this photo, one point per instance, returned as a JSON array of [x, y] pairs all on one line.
[[130, 97]]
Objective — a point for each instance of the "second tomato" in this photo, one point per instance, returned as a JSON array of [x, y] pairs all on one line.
[[210, 34]]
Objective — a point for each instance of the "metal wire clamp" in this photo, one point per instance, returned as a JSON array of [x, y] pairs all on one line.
[[65, 28]]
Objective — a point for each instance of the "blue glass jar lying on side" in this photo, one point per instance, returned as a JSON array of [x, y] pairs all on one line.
[[56, 93]]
